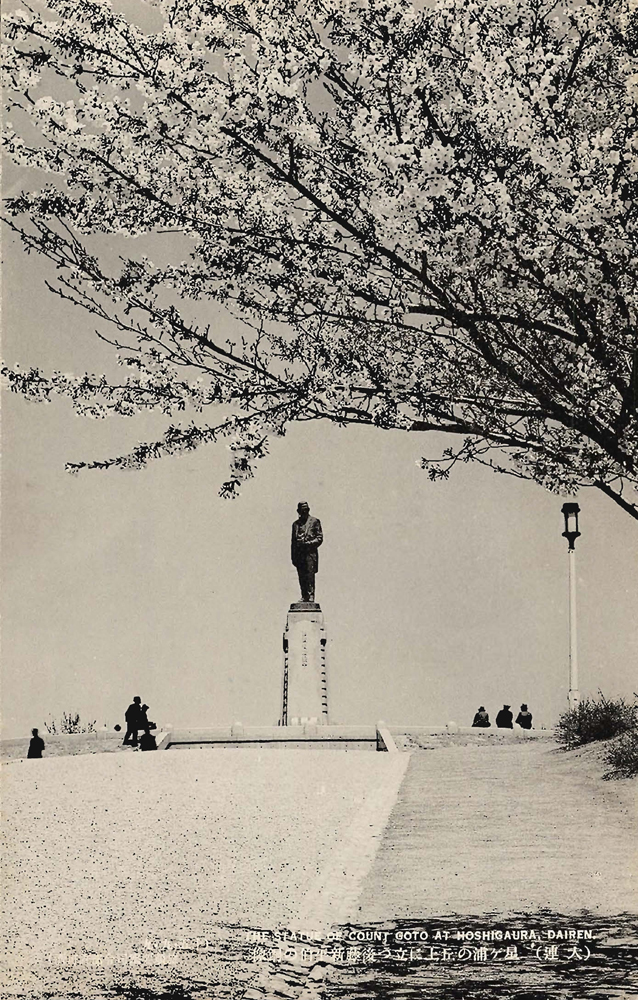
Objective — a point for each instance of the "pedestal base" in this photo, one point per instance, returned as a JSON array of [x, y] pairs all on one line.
[[305, 693]]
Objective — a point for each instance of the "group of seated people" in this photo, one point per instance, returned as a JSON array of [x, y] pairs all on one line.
[[504, 719]]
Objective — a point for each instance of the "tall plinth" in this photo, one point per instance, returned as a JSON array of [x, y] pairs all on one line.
[[305, 690]]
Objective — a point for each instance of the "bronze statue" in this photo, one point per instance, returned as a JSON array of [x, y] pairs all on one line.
[[306, 539]]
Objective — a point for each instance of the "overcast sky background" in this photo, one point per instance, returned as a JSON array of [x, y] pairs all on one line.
[[437, 597]]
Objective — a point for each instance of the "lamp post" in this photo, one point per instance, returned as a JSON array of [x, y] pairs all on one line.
[[571, 533]]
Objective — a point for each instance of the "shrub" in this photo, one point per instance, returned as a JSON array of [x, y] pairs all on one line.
[[622, 757], [70, 723], [596, 719]]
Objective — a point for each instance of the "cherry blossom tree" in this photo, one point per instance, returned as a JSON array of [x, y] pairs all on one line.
[[422, 211]]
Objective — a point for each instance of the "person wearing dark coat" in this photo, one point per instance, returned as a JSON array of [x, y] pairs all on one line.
[[306, 538], [504, 718], [148, 741], [144, 723], [524, 717], [482, 719], [133, 718], [36, 744]]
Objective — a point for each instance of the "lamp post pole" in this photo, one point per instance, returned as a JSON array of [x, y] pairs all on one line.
[[571, 533], [574, 695]]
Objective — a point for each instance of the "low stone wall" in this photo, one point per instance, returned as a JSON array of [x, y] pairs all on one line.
[[431, 737], [72, 744], [307, 736], [311, 736], [63, 744]]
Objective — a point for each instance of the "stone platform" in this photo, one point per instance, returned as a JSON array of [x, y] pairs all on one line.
[[309, 736]]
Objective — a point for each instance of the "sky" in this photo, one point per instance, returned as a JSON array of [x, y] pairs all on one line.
[[438, 597]]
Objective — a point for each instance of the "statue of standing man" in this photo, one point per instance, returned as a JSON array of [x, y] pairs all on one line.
[[306, 539]]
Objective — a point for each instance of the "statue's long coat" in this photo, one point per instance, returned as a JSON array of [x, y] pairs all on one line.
[[311, 532]]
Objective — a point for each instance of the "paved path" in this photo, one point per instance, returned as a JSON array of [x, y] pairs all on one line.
[[505, 829]]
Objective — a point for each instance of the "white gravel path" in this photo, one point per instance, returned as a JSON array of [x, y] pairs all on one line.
[[103, 852]]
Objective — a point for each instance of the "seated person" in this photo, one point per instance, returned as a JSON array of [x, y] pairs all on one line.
[[504, 718], [482, 719], [147, 741], [524, 717]]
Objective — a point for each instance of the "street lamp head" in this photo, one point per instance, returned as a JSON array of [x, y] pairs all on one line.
[[571, 532]]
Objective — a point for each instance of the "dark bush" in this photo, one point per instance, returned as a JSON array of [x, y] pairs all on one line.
[[621, 757], [596, 719]]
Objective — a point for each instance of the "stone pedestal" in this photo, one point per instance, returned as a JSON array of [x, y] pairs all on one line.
[[305, 693]]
